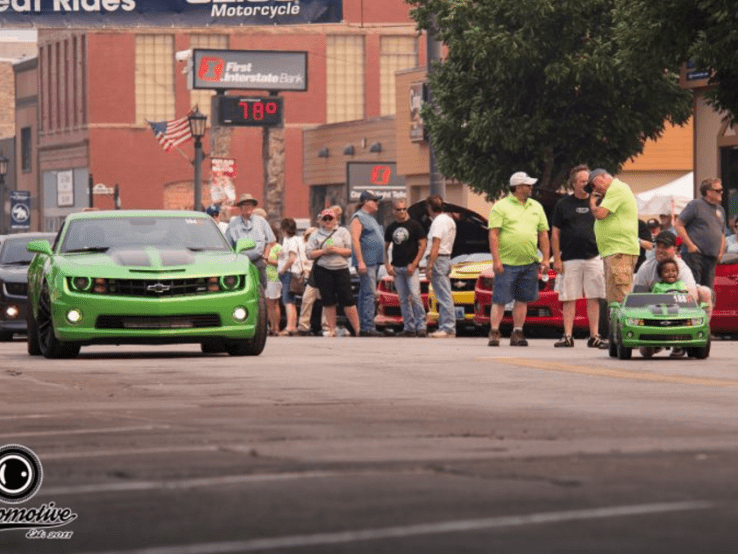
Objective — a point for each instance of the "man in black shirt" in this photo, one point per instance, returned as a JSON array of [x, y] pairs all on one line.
[[408, 245], [577, 260]]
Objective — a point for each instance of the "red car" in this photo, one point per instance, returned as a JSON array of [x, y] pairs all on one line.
[[544, 312], [388, 303], [724, 319]]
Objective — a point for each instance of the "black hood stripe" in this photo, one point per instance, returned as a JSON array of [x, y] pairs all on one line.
[[142, 256]]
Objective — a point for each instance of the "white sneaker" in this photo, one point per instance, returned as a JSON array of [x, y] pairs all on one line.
[[442, 335]]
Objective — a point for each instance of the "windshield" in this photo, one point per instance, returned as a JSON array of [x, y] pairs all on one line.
[[683, 300], [14, 251], [99, 234]]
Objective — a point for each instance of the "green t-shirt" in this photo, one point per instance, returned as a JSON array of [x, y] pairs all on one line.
[[519, 226], [662, 287], [618, 232], [271, 270]]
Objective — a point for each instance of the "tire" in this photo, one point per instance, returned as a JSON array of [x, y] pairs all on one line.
[[700, 352], [50, 346], [255, 345], [34, 349], [612, 347], [624, 353]]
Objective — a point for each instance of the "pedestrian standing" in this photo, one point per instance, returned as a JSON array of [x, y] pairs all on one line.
[[368, 254], [407, 238], [616, 230], [701, 226], [214, 212], [289, 266], [518, 228], [577, 261], [330, 249], [273, 291], [255, 227], [441, 237]]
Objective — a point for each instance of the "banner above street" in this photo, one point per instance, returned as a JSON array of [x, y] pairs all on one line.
[[166, 13]]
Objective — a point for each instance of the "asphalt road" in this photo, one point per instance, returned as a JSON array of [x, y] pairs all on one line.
[[383, 445]]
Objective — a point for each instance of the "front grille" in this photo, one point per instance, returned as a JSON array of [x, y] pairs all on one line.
[[157, 322], [666, 322], [461, 285], [665, 337], [16, 289], [158, 288]]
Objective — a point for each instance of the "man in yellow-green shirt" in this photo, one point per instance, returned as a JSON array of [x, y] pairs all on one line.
[[616, 230], [517, 229]]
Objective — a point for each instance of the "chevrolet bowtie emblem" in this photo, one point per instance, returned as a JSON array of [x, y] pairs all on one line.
[[158, 288]]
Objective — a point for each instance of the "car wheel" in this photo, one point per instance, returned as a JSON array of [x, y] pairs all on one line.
[[34, 349], [700, 352], [624, 353], [255, 345], [612, 347], [50, 346]]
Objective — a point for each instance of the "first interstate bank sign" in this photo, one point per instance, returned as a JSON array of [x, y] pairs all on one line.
[[166, 13]]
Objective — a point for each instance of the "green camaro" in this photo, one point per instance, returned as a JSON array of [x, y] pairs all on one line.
[[143, 277], [657, 321]]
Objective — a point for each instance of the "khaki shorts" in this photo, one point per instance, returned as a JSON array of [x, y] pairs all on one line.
[[581, 279], [619, 276]]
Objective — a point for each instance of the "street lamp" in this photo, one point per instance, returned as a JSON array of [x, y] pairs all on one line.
[[3, 172], [198, 121]]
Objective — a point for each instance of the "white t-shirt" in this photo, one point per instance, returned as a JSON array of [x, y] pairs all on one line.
[[290, 245], [444, 228]]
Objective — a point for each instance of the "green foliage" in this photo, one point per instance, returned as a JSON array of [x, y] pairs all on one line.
[[537, 86], [670, 32]]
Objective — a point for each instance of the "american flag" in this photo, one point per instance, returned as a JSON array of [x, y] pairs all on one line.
[[172, 133]]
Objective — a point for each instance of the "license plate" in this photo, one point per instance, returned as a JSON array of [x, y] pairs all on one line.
[[459, 312]]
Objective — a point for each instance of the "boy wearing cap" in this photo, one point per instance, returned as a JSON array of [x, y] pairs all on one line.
[[254, 227], [214, 212], [367, 240], [616, 231], [517, 228]]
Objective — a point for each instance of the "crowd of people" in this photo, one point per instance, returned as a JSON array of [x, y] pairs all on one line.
[[599, 248]]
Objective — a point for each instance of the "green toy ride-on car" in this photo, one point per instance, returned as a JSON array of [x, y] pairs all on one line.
[[673, 319]]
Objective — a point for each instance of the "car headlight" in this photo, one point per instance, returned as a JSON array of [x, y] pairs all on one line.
[[697, 321], [488, 282], [230, 282], [80, 284], [634, 321]]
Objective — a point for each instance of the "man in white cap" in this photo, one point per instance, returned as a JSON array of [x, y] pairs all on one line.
[[518, 228], [254, 227]]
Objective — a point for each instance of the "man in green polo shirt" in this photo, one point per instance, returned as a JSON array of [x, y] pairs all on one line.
[[517, 229], [616, 231]]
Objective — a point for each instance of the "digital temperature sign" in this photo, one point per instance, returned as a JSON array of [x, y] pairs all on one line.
[[249, 111]]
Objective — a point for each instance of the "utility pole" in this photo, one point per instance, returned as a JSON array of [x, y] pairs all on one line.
[[433, 47]]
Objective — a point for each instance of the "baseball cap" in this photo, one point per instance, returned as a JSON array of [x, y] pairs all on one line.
[[522, 178], [213, 210], [666, 238], [369, 195], [653, 222]]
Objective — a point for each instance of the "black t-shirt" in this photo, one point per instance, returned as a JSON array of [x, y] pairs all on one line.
[[576, 225], [644, 233], [404, 237]]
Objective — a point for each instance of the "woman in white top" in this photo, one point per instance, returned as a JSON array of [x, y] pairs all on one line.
[[288, 265]]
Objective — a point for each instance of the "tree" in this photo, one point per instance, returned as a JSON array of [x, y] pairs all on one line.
[[537, 86], [671, 32]]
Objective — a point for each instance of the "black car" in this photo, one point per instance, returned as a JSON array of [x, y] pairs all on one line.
[[14, 261]]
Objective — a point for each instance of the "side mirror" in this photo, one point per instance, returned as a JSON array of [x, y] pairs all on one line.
[[40, 247], [704, 305], [244, 244], [614, 305]]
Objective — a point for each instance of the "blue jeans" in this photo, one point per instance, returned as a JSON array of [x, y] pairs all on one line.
[[442, 289], [411, 303], [367, 293]]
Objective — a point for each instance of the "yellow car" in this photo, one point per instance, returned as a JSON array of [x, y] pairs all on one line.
[[464, 272]]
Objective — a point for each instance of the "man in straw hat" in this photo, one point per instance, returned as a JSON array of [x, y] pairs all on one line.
[[255, 227]]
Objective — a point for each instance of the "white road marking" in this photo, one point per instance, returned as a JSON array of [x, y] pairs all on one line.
[[459, 526], [91, 431], [132, 486]]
